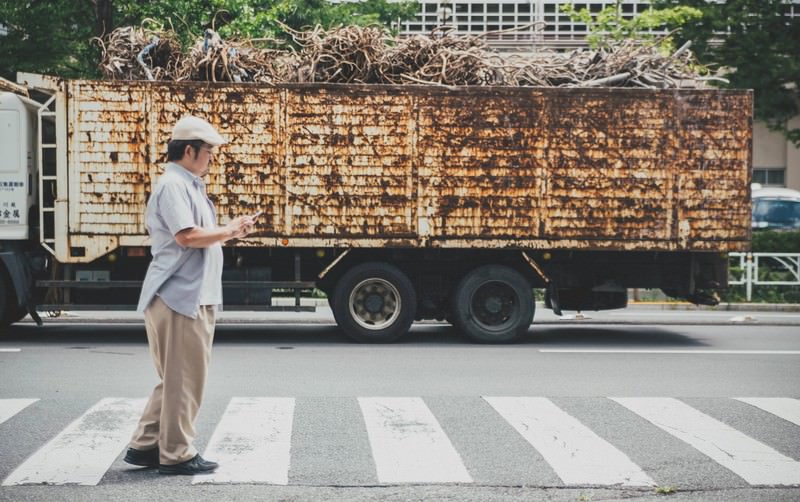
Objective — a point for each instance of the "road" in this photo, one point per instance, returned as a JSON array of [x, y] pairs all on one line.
[[623, 405]]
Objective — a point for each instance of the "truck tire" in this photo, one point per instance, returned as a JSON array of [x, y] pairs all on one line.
[[374, 303], [10, 312], [493, 304]]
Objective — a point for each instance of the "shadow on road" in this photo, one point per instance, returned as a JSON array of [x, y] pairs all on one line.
[[311, 334], [620, 336]]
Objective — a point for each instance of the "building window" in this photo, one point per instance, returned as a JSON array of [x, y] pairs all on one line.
[[770, 176], [554, 28]]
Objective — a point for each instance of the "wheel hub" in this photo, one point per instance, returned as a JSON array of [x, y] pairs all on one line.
[[373, 303], [494, 304]]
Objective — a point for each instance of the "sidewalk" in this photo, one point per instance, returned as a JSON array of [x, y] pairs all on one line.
[[323, 315], [736, 307]]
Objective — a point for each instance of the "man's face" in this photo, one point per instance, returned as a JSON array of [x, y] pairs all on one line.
[[199, 160]]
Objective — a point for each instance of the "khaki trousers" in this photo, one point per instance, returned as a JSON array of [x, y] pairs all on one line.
[[180, 347]]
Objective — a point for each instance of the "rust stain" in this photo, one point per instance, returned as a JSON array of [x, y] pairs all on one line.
[[422, 166]]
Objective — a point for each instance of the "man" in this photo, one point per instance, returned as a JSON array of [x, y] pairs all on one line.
[[180, 294]]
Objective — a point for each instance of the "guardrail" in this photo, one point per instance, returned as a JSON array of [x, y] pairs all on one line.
[[764, 269]]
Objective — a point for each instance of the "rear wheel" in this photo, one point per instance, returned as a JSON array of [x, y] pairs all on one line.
[[493, 304], [374, 302]]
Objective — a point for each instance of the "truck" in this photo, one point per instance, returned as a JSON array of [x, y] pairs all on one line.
[[398, 202]]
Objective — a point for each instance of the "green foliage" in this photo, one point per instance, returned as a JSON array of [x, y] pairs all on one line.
[[248, 19], [54, 36], [46, 38], [759, 46], [762, 294], [776, 241], [769, 241], [609, 24]]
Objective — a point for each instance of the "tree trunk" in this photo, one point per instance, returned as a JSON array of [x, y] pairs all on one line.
[[103, 17]]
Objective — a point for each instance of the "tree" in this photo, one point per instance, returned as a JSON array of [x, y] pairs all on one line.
[[610, 24], [46, 37], [54, 36], [758, 45]]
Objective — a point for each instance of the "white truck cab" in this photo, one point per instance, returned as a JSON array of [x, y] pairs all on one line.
[[17, 164]]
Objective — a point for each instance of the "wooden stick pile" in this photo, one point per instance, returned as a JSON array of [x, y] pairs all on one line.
[[131, 53], [343, 55], [369, 55], [215, 60], [441, 58]]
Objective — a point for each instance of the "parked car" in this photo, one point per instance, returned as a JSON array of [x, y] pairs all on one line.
[[775, 208]]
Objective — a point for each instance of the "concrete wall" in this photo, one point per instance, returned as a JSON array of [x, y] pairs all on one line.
[[772, 150]]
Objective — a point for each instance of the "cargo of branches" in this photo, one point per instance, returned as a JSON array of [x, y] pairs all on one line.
[[406, 179]]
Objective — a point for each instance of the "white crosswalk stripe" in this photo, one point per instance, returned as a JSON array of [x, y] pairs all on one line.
[[83, 452], [784, 407], [10, 407], [578, 455], [252, 442], [755, 462], [408, 444], [400, 440]]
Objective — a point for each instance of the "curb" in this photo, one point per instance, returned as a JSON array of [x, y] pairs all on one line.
[[722, 307]]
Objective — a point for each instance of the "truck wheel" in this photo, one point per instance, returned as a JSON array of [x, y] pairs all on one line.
[[493, 304], [374, 303], [10, 312]]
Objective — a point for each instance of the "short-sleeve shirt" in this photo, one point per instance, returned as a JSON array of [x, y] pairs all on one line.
[[184, 278]]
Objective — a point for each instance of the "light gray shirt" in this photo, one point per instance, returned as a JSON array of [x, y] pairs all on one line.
[[181, 277]]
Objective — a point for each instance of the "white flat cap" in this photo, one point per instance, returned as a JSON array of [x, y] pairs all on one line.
[[191, 127]]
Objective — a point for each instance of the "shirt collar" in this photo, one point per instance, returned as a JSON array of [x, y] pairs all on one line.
[[185, 173]]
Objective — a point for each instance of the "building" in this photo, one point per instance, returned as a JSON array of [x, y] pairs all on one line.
[[540, 23]]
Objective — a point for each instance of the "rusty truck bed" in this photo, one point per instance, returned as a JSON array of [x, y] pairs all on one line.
[[421, 166]]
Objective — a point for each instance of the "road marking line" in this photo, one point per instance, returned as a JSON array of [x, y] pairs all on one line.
[[252, 442], [10, 407], [578, 455], [755, 462], [82, 453], [10, 350], [408, 444], [783, 407], [672, 351]]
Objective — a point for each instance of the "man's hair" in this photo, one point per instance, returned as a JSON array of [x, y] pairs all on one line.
[[176, 147]]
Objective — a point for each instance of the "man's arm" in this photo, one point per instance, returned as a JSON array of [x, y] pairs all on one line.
[[199, 237]]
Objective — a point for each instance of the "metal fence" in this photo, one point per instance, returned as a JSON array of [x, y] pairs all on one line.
[[764, 269]]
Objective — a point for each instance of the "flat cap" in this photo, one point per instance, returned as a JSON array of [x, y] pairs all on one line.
[[191, 127]]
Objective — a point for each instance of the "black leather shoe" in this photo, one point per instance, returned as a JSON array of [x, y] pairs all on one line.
[[196, 465], [144, 458]]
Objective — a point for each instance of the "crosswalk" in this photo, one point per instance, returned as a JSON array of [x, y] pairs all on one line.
[[407, 443], [252, 442]]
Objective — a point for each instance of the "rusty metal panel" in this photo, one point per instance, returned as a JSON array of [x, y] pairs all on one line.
[[106, 156], [480, 162], [714, 136], [349, 170], [247, 174], [414, 166], [609, 175]]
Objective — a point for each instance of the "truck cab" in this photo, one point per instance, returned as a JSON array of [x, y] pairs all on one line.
[[18, 198]]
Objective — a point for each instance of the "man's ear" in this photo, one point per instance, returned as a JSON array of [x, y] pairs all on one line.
[[187, 151]]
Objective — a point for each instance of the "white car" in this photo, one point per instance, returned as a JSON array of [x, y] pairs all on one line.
[[776, 208]]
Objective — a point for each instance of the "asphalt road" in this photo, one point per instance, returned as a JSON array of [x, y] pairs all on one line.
[[642, 402]]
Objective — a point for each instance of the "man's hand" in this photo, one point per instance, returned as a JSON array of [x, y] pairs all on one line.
[[241, 226], [198, 237]]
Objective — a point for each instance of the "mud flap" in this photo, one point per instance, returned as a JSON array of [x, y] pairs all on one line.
[[552, 295]]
